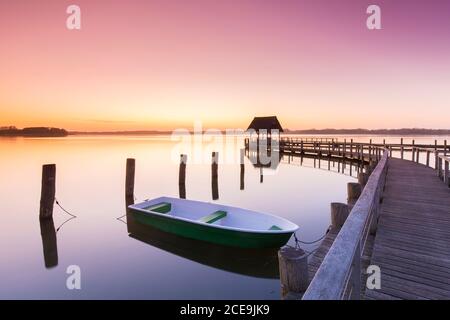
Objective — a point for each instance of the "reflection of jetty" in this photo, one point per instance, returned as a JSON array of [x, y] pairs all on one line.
[[399, 222]]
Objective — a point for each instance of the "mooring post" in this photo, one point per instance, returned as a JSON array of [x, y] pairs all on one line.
[[436, 160], [48, 190], [353, 192], [401, 148], [339, 213], [129, 179], [362, 178], [242, 164], [182, 176], [49, 243], [214, 175], [293, 264]]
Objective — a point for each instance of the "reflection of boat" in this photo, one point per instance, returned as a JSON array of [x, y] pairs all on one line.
[[214, 223], [261, 263]]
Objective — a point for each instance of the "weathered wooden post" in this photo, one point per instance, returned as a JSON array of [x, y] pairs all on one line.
[[413, 149], [48, 190], [242, 176], [436, 160], [401, 148], [445, 147], [339, 213], [293, 264], [362, 178], [182, 176], [446, 177], [428, 158], [49, 244], [353, 192], [417, 155], [129, 180], [351, 148], [214, 175]]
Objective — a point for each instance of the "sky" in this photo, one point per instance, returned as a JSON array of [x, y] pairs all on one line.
[[163, 64]]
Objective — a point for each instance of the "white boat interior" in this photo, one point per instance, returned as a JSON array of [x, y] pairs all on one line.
[[216, 215]]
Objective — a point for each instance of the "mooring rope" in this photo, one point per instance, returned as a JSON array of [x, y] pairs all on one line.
[[57, 229], [57, 203], [311, 242]]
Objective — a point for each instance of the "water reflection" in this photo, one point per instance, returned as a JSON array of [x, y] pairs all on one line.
[[50, 248], [251, 262]]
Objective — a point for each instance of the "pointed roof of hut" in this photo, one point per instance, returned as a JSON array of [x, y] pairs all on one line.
[[265, 123]]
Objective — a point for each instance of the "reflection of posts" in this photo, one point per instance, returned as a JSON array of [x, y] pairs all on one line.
[[242, 169], [48, 235], [47, 191], [214, 175], [182, 177], [129, 181]]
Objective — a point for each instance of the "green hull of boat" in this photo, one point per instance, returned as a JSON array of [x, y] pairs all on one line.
[[214, 235]]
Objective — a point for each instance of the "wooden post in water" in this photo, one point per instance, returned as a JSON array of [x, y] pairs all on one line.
[[362, 178], [436, 160], [129, 180], [351, 148], [401, 148], [242, 181], [182, 176], [353, 192], [214, 175], [48, 189], [293, 264], [339, 213], [49, 244]]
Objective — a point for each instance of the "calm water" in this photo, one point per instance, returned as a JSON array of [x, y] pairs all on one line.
[[148, 264]]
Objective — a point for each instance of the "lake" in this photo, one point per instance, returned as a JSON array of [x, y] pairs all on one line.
[[148, 264]]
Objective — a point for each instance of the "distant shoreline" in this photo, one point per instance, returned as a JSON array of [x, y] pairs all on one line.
[[58, 132], [380, 132]]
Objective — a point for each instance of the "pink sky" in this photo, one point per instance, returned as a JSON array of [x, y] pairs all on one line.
[[165, 64]]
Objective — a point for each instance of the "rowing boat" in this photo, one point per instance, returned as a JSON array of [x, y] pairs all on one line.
[[215, 223]]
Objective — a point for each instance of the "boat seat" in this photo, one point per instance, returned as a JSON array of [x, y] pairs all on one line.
[[163, 207], [274, 227], [213, 217]]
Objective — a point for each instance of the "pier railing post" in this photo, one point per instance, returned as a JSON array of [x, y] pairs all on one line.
[[428, 158], [48, 190]]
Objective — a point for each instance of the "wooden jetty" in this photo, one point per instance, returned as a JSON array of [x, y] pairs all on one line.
[[400, 222]]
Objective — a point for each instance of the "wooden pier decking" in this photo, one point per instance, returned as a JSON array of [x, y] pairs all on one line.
[[412, 243], [400, 222]]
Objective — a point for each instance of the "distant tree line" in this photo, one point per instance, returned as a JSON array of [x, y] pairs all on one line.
[[12, 131], [404, 131]]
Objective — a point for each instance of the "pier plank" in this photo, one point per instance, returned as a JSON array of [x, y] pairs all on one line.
[[412, 243]]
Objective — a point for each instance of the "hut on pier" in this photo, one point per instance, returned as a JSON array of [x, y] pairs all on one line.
[[265, 126]]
